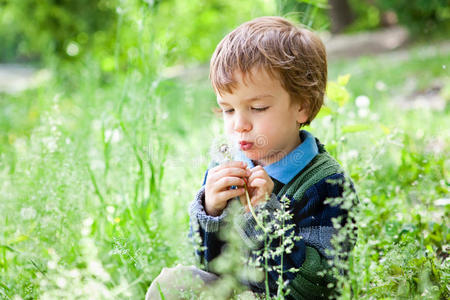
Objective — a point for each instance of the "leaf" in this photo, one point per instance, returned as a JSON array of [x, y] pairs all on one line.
[[18, 239], [385, 129], [4, 286], [324, 111], [337, 93], [355, 128], [331, 146], [343, 80], [8, 248]]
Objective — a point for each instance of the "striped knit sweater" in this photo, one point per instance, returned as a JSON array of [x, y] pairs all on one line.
[[321, 179]]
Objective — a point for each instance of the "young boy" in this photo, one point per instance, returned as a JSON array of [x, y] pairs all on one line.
[[270, 77]]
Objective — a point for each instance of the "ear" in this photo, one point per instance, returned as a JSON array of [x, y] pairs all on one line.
[[302, 113]]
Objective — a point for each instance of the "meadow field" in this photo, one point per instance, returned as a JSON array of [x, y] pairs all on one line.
[[98, 167]]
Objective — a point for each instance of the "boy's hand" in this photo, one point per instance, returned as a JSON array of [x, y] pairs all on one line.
[[218, 184], [260, 186]]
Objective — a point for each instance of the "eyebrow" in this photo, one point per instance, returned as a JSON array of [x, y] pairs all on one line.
[[251, 99]]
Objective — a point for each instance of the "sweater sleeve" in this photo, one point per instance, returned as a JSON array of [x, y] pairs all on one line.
[[204, 230], [312, 222]]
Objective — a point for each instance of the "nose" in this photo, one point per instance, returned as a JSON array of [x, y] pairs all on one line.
[[242, 123]]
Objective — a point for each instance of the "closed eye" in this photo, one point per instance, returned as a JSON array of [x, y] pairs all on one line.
[[260, 108], [228, 111]]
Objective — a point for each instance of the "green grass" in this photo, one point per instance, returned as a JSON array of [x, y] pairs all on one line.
[[96, 175]]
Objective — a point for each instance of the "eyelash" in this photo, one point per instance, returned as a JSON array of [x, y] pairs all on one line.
[[257, 109]]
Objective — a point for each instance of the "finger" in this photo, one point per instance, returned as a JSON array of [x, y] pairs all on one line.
[[233, 171], [257, 182], [229, 194], [257, 168], [243, 198], [228, 164], [257, 174], [260, 199], [227, 172], [227, 182]]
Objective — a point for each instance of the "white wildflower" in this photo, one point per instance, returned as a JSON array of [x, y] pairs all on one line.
[[362, 101], [113, 135], [442, 202], [362, 113]]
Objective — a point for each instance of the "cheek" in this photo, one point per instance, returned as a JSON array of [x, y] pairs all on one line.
[[228, 126], [267, 132]]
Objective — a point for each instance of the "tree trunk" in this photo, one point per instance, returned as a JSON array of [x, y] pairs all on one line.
[[341, 15]]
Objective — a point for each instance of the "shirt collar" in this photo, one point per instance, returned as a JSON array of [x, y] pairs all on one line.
[[286, 168]]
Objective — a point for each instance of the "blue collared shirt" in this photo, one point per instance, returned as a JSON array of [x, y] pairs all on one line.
[[286, 168]]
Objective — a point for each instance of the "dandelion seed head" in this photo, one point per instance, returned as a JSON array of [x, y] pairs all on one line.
[[72, 49], [222, 150], [442, 202], [74, 273], [380, 85], [120, 10], [96, 268], [51, 143], [352, 154], [28, 213], [52, 264], [88, 222], [61, 282]]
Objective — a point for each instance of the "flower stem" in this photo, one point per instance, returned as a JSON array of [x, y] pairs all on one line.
[[251, 208]]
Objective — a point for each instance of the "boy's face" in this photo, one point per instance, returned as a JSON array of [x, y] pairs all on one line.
[[260, 117]]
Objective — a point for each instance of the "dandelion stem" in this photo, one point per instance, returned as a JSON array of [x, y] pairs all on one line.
[[251, 208]]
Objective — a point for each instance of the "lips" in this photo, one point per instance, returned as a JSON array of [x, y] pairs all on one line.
[[245, 146]]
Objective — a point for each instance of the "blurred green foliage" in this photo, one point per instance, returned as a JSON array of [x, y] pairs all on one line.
[[99, 163], [37, 27], [420, 16], [117, 31], [311, 13]]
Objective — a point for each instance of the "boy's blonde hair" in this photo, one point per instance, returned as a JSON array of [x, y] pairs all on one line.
[[291, 54]]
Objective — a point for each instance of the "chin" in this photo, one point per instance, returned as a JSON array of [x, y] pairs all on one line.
[[254, 155]]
